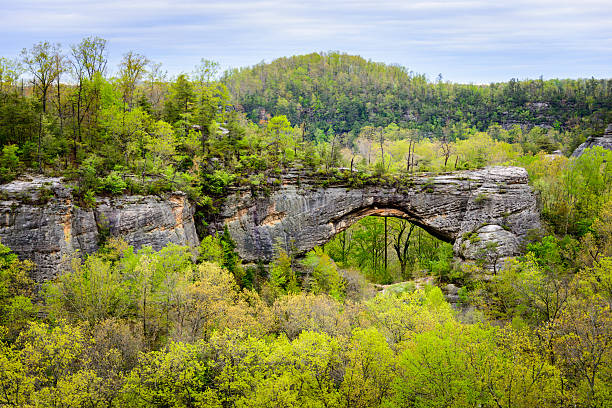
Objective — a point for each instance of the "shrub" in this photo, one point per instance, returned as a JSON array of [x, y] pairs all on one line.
[[481, 198], [282, 277], [325, 276], [89, 199], [216, 182], [9, 163], [113, 183]]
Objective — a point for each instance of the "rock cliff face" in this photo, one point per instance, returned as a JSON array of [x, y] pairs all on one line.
[[40, 221], [469, 209], [604, 141]]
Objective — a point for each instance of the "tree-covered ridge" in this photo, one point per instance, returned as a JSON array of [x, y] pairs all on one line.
[[345, 93]]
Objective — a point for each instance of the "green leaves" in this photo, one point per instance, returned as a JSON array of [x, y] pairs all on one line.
[[325, 276]]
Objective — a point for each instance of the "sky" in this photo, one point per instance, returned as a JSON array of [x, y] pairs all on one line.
[[477, 41]]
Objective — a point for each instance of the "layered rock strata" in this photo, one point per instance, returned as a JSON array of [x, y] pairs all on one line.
[[40, 221], [478, 211]]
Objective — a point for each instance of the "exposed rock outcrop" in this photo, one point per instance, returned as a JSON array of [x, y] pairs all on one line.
[[604, 141], [468, 209], [40, 221]]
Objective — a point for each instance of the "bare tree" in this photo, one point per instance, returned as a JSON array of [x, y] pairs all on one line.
[[155, 79], [446, 148], [410, 159], [401, 243], [61, 66], [366, 140], [206, 71], [381, 140]]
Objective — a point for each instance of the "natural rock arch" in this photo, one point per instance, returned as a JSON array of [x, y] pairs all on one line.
[[469, 209]]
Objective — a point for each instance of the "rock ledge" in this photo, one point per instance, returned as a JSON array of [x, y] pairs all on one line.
[[40, 221]]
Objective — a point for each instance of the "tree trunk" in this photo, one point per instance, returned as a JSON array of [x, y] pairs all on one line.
[[385, 244], [59, 108], [40, 118]]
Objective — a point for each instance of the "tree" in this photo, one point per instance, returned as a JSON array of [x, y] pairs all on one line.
[[180, 101], [532, 290], [16, 290], [369, 247], [10, 70], [206, 71], [446, 148], [132, 68], [369, 371], [177, 375], [582, 336], [282, 277], [401, 242], [88, 60], [61, 66], [41, 62], [325, 276], [279, 129], [89, 57], [156, 81]]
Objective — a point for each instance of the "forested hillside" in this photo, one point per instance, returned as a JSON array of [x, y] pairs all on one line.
[[179, 328], [345, 93]]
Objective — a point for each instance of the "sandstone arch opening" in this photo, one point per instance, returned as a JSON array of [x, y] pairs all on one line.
[[386, 247], [376, 210]]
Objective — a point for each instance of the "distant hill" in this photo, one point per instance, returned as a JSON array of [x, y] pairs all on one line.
[[345, 92]]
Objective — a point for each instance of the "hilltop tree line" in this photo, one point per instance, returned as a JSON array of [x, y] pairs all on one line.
[[344, 93]]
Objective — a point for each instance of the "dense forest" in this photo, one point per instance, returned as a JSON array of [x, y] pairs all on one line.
[[359, 322], [343, 93]]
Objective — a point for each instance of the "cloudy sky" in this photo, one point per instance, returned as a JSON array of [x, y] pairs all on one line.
[[466, 41]]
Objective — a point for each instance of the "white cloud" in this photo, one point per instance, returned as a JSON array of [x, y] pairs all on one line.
[[424, 35]]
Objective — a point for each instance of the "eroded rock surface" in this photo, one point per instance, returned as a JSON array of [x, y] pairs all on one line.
[[40, 221], [496, 204], [604, 141]]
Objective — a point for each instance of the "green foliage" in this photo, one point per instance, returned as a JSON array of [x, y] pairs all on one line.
[[177, 376], [211, 250], [230, 257], [113, 183], [573, 191], [89, 199], [410, 251], [215, 183], [9, 163], [347, 92], [282, 277], [16, 290], [441, 265], [474, 365], [325, 276]]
